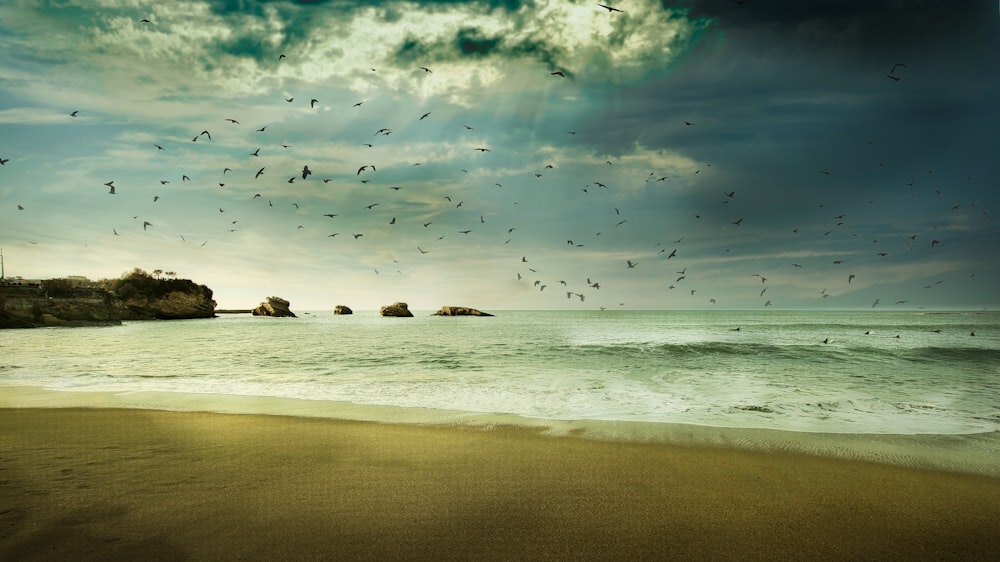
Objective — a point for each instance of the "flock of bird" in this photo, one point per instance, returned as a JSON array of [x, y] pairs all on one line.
[[269, 181]]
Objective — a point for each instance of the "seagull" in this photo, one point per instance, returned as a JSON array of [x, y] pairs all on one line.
[[631, 264], [558, 73], [73, 114], [305, 171], [610, 9], [313, 102], [422, 251], [233, 121], [482, 149], [258, 174], [425, 69], [423, 116], [145, 224]]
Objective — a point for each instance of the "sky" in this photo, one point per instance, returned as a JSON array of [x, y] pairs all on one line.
[[509, 154]]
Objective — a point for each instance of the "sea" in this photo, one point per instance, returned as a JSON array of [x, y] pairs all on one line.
[[915, 388]]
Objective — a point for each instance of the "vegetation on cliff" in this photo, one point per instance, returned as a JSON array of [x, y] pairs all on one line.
[[140, 284], [78, 301]]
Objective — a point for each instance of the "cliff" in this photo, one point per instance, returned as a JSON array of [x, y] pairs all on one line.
[[75, 302]]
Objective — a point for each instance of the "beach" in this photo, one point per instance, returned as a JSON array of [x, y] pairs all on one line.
[[123, 484]]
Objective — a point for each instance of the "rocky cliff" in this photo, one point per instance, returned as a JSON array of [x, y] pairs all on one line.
[[72, 302]]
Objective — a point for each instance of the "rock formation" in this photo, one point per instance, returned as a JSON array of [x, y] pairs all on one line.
[[342, 309], [398, 309], [460, 311], [274, 306], [81, 302]]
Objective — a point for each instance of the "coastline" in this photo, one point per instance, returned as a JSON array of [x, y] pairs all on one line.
[[105, 483], [973, 453]]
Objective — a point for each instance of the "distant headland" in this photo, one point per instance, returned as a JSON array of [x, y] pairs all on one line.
[[78, 301]]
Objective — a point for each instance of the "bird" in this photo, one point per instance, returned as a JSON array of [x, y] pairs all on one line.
[[362, 168], [630, 264], [558, 73], [482, 149], [422, 251], [146, 224], [850, 278], [306, 172], [258, 174], [313, 102], [424, 116], [3, 161], [895, 66], [610, 9], [356, 236], [74, 113], [20, 208], [233, 121], [425, 69]]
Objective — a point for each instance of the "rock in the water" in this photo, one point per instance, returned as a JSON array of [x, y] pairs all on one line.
[[460, 311], [341, 309], [274, 306], [398, 309]]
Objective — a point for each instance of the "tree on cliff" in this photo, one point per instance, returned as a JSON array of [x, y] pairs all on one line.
[[140, 284]]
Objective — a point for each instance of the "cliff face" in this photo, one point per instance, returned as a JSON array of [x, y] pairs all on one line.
[[174, 305], [31, 307], [136, 296]]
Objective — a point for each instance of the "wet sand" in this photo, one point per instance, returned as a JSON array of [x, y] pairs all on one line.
[[109, 484]]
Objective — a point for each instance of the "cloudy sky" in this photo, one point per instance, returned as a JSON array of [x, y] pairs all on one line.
[[690, 154]]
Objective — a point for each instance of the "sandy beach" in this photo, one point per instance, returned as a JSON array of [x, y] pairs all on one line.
[[108, 484]]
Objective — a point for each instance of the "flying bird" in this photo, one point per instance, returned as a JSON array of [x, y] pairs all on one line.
[[425, 69], [610, 9], [423, 116], [258, 174], [73, 113], [306, 172], [558, 73]]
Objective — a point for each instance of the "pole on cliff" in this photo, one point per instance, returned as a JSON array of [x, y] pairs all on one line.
[[1, 264]]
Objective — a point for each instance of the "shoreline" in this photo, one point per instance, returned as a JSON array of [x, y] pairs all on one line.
[[973, 453], [97, 483]]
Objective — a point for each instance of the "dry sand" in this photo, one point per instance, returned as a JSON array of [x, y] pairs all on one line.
[[102, 484]]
